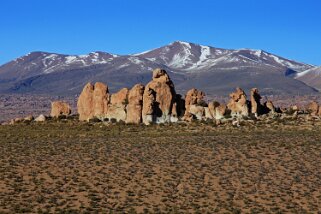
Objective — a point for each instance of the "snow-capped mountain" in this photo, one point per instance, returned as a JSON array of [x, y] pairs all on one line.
[[214, 70], [191, 57], [311, 77]]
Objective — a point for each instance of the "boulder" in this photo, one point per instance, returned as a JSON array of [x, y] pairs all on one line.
[[198, 111], [28, 118], [117, 106], [238, 105], [208, 113], [256, 108], [163, 91], [135, 104], [41, 118], [193, 97], [85, 105], [60, 108], [220, 111], [148, 106], [217, 110], [100, 100], [93, 101], [295, 108], [188, 117], [269, 105], [313, 108], [16, 120]]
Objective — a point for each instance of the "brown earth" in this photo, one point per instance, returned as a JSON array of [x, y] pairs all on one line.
[[270, 166]]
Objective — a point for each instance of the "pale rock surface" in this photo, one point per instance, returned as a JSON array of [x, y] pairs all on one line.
[[193, 97], [148, 106], [313, 108], [198, 111], [117, 106], [255, 102], [59, 108], [100, 100], [135, 104], [93, 101], [269, 105], [163, 91], [85, 103], [238, 104], [220, 111], [40, 118]]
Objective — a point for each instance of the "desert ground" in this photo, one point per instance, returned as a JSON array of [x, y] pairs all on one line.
[[66, 166]]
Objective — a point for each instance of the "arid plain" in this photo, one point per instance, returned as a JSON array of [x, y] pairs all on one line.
[[67, 166]]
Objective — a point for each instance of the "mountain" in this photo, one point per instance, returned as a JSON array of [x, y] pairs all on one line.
[[191, 57], [311, 77], [215, 70]]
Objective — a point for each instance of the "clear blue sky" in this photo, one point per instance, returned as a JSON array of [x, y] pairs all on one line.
[[290, 28]]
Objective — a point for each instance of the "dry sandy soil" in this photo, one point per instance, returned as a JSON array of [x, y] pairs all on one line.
[[72, 167]]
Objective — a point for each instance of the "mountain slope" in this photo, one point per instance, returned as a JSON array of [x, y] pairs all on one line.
[[214, 70], [311, 77], [191, 57]]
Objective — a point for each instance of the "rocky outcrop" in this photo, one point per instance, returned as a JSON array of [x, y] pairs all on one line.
[[238, 105], [135, 104], [100, 100], [193, 97], [117, 106], [148, 106], [269, 105], [217, 110], [195, 105], [220, 111], [160, 96], [158, 102], [313, 108], [59, 108], [93, 101], [256, 108], [197, 111], [85, 104], [41, 118]]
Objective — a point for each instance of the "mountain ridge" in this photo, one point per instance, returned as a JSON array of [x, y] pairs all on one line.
[[191, 65]]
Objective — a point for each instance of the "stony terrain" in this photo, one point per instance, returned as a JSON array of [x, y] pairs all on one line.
[[67, 166]]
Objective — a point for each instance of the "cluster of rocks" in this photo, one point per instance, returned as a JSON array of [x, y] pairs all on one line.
[[158, 102], [59, 109]]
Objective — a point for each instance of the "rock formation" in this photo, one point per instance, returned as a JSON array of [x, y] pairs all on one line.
[[217, 110], [59, 108], [255, 102], [85, 103], [195, 105], [193, 97], [100, 100], [313, 108], [158, 102], [197, 111], [41, 118], [160, 96], [117, 106], [135, 104], [238, 104], [269, 105], [93, 101]]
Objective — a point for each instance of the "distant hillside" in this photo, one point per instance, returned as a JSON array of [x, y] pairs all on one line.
[[214, 70]]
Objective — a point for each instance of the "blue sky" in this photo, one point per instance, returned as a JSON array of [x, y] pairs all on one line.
[[290, 28]]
